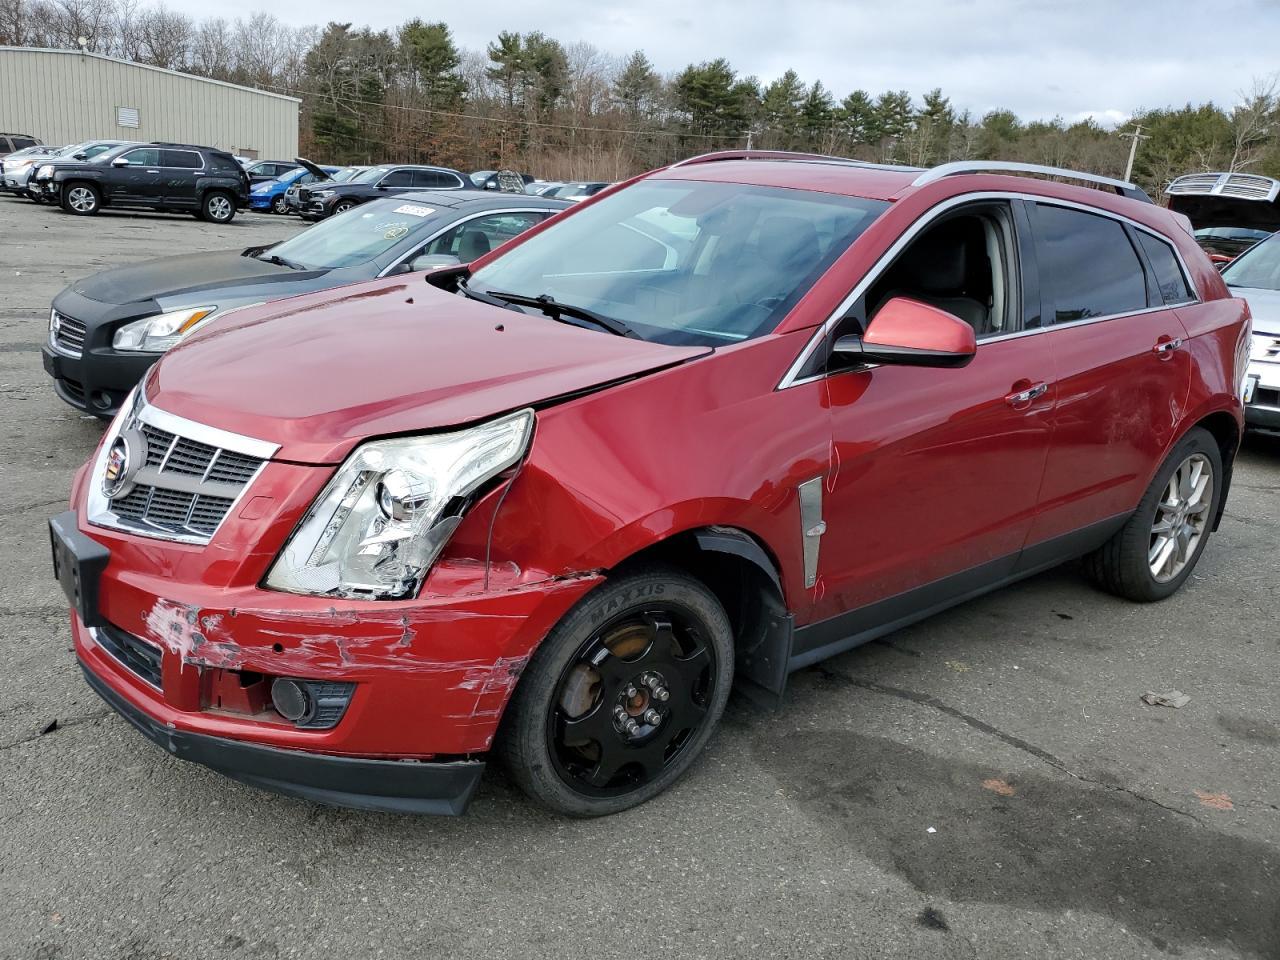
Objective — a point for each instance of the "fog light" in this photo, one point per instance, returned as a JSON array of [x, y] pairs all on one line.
[[291, 699]]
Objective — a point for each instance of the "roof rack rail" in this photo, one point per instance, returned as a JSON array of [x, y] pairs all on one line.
[[792, 156], [933, 175]]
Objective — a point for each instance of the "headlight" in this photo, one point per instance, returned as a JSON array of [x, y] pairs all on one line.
[[157, 334], [45, 171], [383, 519], [261, 188], [321, 194]]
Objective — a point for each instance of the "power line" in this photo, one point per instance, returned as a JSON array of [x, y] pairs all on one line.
[[346, 99]]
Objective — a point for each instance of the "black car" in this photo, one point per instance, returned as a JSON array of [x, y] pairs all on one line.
[[260, 170], [107, 329], [497, 179], [76, 153], [379, 181], [175, 177]]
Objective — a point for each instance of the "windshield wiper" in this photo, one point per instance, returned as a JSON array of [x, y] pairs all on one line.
[[555, 310], [281, 261], [482, 297]]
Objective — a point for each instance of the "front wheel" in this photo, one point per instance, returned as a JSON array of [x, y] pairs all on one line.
[[278, 206], [81, 199], [342, 206], [217, 207], [1155, 552], [622, 695]]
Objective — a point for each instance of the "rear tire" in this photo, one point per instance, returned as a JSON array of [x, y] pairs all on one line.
[[1156, 550], [621, 696], [218, 206], [81, 199]]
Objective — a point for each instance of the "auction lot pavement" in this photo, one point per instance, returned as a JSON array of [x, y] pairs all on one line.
[[984, 785]]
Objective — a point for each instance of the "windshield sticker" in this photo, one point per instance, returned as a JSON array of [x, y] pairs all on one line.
[[414, 211], [395, 231]]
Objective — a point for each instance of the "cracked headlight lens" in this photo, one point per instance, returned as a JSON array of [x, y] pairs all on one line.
[[382, 520]]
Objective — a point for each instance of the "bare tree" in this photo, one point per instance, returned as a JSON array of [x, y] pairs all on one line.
[[166, 38], [1252, 122], [212, 49]]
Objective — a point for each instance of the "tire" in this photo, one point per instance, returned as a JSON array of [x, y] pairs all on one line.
[[342, 206], [620, 648], [1124, 564], [278, 206], [81, 199], [218, 206]]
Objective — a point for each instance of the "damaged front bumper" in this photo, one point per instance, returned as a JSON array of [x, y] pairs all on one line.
[[188, 664], [387, 785]]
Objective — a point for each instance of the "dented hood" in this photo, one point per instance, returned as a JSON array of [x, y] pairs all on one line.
[[319, 373]]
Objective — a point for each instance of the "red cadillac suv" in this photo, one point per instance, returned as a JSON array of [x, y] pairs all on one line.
[[711, 426]]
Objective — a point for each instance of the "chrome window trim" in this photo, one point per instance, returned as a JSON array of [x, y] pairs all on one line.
[[959, 167], [457, 223], [792, 377], [199, 156], [98, 506]]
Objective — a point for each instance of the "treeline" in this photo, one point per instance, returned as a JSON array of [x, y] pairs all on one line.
[[574, 111]]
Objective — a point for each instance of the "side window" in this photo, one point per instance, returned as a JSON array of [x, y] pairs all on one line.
[[146, 157], [435, 179], [182, 159], [1088, 267], [475, 238], [223, 164], [965, 264], [21, 143], [1169, 276], [397, 178]]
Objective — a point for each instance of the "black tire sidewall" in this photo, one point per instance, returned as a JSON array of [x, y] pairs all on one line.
[[523, 736]]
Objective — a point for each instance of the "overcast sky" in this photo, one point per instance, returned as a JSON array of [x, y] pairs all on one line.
[[1072, 58]]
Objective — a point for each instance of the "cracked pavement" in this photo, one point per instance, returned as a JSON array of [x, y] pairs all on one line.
[[985, 784]]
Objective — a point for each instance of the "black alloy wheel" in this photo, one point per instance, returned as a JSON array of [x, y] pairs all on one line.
[[622, 695]]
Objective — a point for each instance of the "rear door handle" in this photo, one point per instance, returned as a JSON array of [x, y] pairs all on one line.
[[153, 171], [1165, 347], [1027, 395]]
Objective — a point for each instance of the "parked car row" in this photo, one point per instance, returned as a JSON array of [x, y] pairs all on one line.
[[711, 427]]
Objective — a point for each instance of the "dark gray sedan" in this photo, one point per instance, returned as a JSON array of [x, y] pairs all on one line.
[[107, 329]]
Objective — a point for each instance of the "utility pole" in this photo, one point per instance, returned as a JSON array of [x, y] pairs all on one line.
[[1133, 139]]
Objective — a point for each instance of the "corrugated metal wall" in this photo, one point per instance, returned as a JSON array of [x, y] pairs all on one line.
[[67, 96]]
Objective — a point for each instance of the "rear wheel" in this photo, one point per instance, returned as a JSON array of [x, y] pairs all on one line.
[[218, 207], [81, 199], [1155, 552], [622, 695]]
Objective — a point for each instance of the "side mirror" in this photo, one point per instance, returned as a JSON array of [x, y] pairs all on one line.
[[909, 333], [491, 185], [80, 156], [432, 261], [119, 162]]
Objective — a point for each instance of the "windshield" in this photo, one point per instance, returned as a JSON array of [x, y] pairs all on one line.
[[343, 175], [292, 175], [684, 262], [1258, 267], [355, 237], [371, 175], [480, 176]]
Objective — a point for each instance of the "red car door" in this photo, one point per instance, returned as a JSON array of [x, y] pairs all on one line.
[[936, 472], [1122, 371]]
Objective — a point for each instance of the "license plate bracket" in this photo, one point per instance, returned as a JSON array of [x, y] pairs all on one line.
[[78, 562]]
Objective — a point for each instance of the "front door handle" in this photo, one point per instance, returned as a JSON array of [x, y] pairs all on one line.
[[153, 171], [1166, 345], [1025, 396]]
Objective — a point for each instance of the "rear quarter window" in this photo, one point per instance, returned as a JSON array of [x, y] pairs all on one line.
[[1164, 263], [1087, 265]]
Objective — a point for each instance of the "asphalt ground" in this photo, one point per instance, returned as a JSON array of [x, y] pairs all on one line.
[[986, 784]]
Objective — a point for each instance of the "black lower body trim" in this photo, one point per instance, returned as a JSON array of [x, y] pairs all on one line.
[[388, 785], [818, 641]]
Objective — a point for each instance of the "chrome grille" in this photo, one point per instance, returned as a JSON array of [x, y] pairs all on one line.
[[67, 333], [1245, 186], [188, 481]]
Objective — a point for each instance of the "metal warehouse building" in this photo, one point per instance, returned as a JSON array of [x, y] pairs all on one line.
[[65, 96]]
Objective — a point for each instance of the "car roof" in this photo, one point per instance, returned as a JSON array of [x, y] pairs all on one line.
[[481, 201], [870, 182]]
